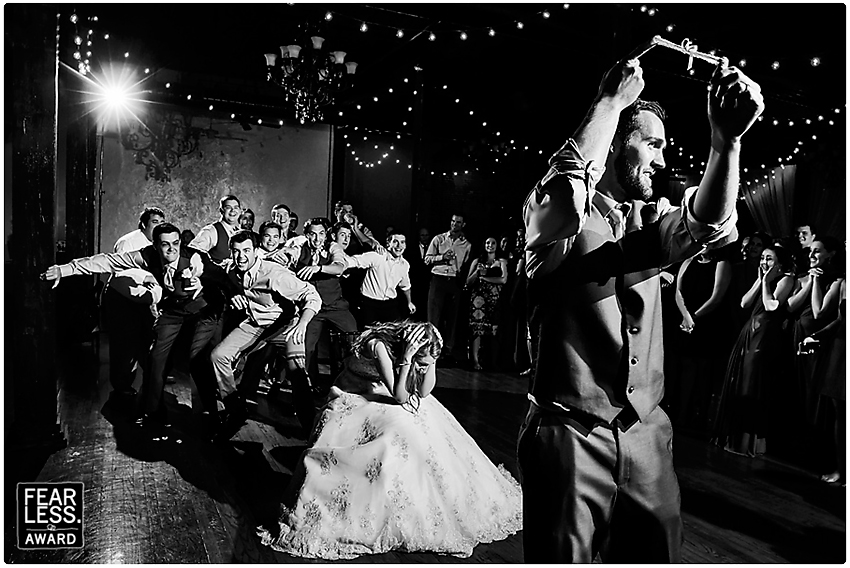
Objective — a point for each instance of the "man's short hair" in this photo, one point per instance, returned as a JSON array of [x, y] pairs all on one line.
[[282, 206], [340, 225], [145, 217], [227, 198], [317, 221], [628, 116], [243, 236], [269, 225], [164, 229], [811, 227]]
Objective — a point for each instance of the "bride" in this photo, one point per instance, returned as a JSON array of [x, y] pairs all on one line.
[[389, 468]]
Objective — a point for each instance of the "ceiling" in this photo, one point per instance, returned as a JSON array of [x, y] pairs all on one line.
[[532, 85]]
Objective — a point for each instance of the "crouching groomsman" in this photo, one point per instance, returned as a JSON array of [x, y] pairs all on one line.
[[184, 275], [268, 292], [385, 272]]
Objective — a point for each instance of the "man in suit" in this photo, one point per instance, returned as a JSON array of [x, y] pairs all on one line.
[[185, 276]]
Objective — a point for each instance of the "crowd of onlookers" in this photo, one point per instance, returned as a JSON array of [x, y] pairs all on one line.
[[754, 340]]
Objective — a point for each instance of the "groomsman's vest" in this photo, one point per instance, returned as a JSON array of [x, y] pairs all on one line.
[[327, 285], [221, 251], [178, 299]]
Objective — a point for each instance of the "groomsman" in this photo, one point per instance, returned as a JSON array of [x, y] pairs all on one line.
[[214, 238], [129, 308], [185, 275], [268, 293], [385, 272]]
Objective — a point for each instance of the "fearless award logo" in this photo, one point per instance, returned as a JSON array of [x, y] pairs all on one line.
[[50, 515]]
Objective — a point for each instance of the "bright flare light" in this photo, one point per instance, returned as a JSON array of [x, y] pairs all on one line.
[[115, 95]]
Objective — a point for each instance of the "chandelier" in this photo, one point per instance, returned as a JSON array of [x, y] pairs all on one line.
[[311, 77]]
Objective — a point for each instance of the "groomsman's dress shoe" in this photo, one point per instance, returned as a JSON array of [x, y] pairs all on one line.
[[235, 416]]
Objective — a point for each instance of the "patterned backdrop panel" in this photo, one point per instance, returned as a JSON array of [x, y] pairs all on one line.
[[263, 166]]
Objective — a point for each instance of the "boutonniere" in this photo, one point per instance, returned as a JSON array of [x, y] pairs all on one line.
[[187, 274]]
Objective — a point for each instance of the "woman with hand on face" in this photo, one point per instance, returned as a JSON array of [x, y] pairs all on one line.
[[389, 468], [741, 419], [807, 303], [487, 274]]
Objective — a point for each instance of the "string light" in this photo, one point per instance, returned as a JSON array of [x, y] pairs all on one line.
[[399, 34], [329, 16], [432, 36], [545, 14], [815, 61], [492, 32], [364, 27], [774, 65], [463, 36]]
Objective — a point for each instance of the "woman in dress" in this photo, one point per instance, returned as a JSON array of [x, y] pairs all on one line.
[[702, 293], [389, 468], [741, 420], [831, 373], [812, 315], [487, 274]]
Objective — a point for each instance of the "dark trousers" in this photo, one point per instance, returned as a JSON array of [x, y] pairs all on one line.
[[378, 311], [130, 328], [202, 326], [591, 487], [340, 319], [443, 300]]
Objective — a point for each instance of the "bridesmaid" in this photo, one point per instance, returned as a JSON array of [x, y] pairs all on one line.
[[741, 419], [831, 374], [808, 306]]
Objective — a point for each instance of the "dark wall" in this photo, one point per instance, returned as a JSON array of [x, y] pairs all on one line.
[[262, 166]]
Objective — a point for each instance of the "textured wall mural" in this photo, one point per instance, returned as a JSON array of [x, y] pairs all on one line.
[[262, 166]]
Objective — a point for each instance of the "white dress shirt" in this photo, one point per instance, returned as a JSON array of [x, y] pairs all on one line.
[[130, 283], [384, 273], [207, 237]]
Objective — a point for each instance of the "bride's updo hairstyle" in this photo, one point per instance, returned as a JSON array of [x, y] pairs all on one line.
[[392, 335]]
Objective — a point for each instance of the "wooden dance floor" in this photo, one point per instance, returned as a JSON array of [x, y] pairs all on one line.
[[184, 500]]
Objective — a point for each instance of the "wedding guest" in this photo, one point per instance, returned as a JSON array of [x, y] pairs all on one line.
[[831, 372], [129, 308], [270, 238], [447, 255], [185, 276], [805, 235], [742, 418], [487, 274], [312, 260], [420, 275], [386, 273], [703, 300], [824, 272], [268, 292], [213, 239]]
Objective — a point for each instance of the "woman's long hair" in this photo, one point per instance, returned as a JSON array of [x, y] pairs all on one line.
[[391, 334], [483, 258]]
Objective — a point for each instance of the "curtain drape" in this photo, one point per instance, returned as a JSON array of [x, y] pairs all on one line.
[[771, 201]]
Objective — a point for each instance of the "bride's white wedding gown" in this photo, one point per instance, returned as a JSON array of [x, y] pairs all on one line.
[[379, 477]]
